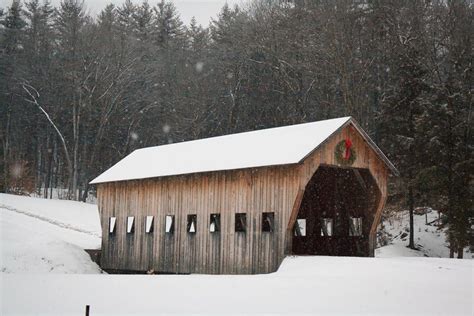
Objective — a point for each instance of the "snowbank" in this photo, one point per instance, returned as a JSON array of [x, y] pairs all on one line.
[[304, 285]]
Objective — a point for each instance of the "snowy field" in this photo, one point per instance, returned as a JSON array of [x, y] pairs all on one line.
[[46, 272], [305, 285]]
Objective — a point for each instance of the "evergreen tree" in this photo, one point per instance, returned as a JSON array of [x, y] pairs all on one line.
[[223, 29], [69, 22], [13, 25], [198, 37], [39, 51], [108, 26], [143, 21], [404, 105], [125, 17], [39, 33], [446, 178], [12, 68], [168, 24]]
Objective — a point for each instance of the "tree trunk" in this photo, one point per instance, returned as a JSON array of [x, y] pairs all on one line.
[[460, 253], [50, 175], [411, 207], [6, 149], [54, 169], [451, 251], [85, 192], [76, 109], [39, 158], [47, 163]]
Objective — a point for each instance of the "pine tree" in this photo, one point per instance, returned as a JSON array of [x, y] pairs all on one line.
[[403, 106], [143, 22], [125, 18], [12, 68], [168, 24], [446, 178], [223, 29], [13, 24], [39, 32], [198, 37], [108, 26], [70, 23], [39, 51]]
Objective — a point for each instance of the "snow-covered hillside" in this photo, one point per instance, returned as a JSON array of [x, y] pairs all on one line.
[[430, 237], [41, 236]]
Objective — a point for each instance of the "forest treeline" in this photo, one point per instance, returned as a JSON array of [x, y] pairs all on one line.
[[79, 92]]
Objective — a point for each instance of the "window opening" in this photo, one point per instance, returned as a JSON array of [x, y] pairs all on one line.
[[215, 223], [192, 221], [240, 222], [355, 226], [169, 224], [112, 222], [327, 227], [149, 224], [268, 221], [130, 224], [300, 227]]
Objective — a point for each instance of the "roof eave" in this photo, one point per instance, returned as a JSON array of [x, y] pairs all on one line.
[[366, 137], [372, 144]]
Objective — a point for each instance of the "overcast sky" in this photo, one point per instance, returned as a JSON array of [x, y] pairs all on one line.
[[203, 10]]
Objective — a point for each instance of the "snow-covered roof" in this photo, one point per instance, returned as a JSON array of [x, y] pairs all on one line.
[[266, 147]]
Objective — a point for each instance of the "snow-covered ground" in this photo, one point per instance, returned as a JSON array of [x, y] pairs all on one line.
[[304, 285], [430, 239], [41, 236]]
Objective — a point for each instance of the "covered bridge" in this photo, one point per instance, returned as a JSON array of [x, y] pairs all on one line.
[[240, 203]]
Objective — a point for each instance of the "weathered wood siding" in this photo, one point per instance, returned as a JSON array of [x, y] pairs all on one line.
[[251, 191], [247, 191]]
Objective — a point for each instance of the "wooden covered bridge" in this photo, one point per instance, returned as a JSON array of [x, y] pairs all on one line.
[[240, 203]]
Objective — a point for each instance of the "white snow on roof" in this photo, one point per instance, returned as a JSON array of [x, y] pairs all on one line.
[[267, 147]]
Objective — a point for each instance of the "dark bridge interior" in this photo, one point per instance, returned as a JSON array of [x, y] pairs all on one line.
[[336, 213]]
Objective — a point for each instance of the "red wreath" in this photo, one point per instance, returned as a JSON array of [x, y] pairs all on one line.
[[345, 153]]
